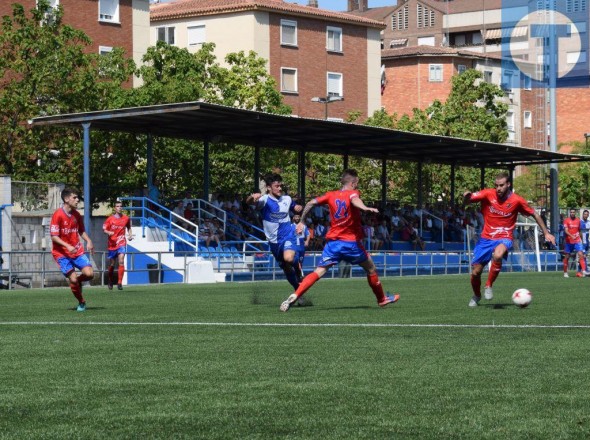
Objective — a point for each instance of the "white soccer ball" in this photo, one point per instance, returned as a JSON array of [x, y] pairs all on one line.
[[522, 297]]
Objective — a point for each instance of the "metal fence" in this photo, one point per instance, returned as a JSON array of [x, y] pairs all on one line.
[[41, 271]]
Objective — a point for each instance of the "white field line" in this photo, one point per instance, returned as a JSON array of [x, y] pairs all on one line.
[[278, 324]]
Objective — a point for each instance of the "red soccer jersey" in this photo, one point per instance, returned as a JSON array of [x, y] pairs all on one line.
[[118, 225], [68, 227], [573, 227], [345, 219], [500, 216]]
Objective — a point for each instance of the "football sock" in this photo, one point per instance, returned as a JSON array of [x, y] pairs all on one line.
[[292, 277], [82, 278], [375, 284], [494, 272], [120, 274], [111, 270], [77, 291], [307, 282], [476, 285], [565, 261], [583, 264]]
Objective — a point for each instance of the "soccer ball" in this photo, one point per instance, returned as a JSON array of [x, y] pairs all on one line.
[[522, 297]]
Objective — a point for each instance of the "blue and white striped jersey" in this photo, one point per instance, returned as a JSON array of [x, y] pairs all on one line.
[[275, 217]]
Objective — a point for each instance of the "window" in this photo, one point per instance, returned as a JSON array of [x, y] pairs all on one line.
[[424, 16], [289, 32], [435, 72], [166, 34], [487, 76], [527, 119], [460, 40], [527, 82], [461, 68], [576, 57], [288, 80], [103, 50], [507, 80], [426, 41], [108, 10], [510, 120], [334, 39], [195, 34], [575, 5], [579, 27], [399, 20], [334, 84], [49, 14]]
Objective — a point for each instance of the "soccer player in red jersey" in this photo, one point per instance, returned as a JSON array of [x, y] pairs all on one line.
[[573, 242], [115, 227], [65, 229], [343, 240], [500, 208]]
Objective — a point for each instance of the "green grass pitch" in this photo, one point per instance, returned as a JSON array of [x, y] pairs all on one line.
[[221, 362]]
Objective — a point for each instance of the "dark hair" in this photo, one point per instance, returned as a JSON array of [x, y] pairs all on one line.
[[347, 174], [504, 175], [585, 210], [67, 192], [269, 179]]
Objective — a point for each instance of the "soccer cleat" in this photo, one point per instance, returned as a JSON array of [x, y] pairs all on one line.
[[566, 275], [120, 286], [474, 301], [110, 286], [81, 307], [579, 275], [586, 273], [287, 303], [389, 299], [488, 293]]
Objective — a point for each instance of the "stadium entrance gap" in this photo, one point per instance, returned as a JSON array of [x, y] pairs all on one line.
[[211, 123]]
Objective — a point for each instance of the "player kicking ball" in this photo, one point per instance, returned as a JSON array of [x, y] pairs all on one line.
[[500, 208], [343, 240]]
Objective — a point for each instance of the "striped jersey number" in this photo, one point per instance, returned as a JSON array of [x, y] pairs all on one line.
[[341, 209]]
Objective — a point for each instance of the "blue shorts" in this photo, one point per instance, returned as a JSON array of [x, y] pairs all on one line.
[[277, 249], [484, 249], [69, 265], [571, 247], [335, 251], [300, 255], [113, 254]]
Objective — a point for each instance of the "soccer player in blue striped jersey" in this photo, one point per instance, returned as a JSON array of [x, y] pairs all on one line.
[[276, 207]]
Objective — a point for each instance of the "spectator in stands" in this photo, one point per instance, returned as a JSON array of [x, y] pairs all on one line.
[[179, 211], [320, 235], [410, 234], [234, 231], [383, 234], [208, 233], [396, 225], [187, 198], [189, 214], [373, 243]]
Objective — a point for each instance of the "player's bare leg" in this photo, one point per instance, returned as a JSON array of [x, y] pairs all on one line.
[[307, 282]]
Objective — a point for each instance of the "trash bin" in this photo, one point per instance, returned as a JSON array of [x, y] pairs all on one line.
[[154, 274]]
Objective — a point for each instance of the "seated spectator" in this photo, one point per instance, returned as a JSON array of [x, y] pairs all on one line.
[[384, 235], [320, 235], [207, 233], [373, 243], [410, 234]]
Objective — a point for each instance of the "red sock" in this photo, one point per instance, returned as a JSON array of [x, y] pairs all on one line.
[[306, 283], [111, 270], [82, 278], [77, 291], [120, 274], [565, 261], [583, 264], [494, 272], [375, 284], [476, 285]]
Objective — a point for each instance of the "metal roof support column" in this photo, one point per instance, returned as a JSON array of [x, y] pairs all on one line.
[[301, 173], [206, 178], [150, 162], [87, 201], [345, 161], [482, 178], [452, 185], [419, 166], [383, 183], [256, 169], [511, 173]]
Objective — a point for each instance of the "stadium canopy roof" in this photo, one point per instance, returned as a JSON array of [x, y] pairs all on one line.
[[216, 123]]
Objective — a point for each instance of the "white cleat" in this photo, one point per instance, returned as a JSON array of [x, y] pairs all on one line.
[[474, 301], [287, 303], [566, 275], [488, 293]]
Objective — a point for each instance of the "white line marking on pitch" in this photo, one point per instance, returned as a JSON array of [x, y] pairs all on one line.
[[278, 324]]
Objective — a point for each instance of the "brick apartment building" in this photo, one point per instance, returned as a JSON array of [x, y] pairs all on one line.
[[312, 53], [108, 23], [478, 26]]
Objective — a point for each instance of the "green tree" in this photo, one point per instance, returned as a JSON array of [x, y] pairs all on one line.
[[44, 70]]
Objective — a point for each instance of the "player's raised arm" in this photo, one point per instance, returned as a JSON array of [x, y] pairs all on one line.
[[253, 198], [358, 203]]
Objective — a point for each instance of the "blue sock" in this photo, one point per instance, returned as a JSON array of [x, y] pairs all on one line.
[[292, 277]]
